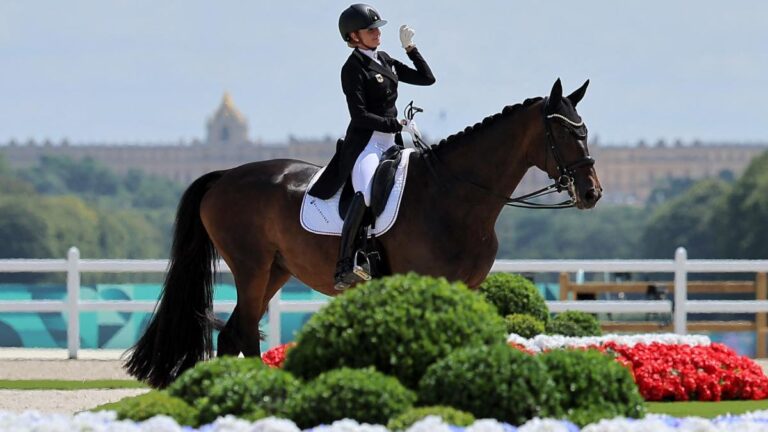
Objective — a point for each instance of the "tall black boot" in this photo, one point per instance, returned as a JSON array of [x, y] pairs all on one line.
[[346, 273]]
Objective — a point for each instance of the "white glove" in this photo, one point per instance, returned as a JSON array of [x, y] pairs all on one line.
[[406, 36], [410, 127]]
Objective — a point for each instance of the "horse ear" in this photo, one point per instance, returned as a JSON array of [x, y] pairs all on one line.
[[576, 96], [555, 96]]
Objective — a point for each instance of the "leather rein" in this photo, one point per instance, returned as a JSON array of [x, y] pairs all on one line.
[[565, 181]]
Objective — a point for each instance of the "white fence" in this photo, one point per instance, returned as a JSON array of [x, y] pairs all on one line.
[[680, 266]]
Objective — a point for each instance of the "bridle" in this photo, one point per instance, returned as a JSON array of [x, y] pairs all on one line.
[[567, 172]]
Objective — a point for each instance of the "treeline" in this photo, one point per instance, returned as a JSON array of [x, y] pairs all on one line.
[[711, 218], [61, 203]]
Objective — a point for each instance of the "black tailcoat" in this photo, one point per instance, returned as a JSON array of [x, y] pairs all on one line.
[[371, 92]]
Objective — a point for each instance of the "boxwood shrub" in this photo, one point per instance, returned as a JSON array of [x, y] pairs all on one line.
[[492, 382], [361, 394], [399, 324], [574, 323], [148, 405], [593, 385], [524, 325], [452, 416], [195, 383], [247, 393], [514, 294]]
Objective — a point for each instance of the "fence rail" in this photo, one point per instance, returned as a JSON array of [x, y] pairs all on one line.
[[680, 266]]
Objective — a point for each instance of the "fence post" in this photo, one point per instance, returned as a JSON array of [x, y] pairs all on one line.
[[681, 291], [73, 300], [273, 337]]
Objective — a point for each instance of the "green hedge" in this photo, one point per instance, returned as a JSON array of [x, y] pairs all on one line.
[[361, 394], [399, 324], [524, 325], [492, 382], [194, 383], [514, 294], [449, 415], [593, 385], [574, 323], [148, 405]]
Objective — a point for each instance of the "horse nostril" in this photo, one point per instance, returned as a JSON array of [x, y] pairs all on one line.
[[592, 195]]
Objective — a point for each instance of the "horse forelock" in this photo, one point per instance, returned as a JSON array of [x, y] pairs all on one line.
[[508, 112]]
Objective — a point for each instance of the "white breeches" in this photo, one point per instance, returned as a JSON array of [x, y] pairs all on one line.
[[366, 163]]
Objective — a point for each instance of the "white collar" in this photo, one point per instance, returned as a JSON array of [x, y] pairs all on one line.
[[370, 53]]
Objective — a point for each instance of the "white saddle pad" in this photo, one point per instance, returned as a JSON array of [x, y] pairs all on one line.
[[322, 216]]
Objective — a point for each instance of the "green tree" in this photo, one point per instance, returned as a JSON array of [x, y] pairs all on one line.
[[24, 232], [686, 221], [603, 232], [740, 220]]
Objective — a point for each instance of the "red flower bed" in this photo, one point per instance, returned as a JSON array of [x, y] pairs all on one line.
[[666, 372], [275, 357]]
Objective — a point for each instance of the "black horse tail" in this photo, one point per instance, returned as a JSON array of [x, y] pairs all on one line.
[[180, 331]]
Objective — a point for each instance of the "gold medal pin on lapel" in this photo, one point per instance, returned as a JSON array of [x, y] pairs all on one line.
[[379, 78]]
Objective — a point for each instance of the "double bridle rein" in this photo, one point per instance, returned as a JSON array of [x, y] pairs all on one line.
[[565, 180]]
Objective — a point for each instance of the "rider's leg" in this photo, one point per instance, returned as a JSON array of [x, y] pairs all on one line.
[[362, 174]]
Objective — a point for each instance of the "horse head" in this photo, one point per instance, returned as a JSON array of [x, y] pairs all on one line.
[[564, 155]]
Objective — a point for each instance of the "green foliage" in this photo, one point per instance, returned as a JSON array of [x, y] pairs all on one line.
[[449, 415], [524, 325], [399, 324], [237, 386], [593, 385], [687, 221], [574, 323], [148, 405], [61, 175], [607, 231], [195, 383], [740, 220], [361, 394], [23, 231], [260, 391], [492, 382], [514, 294]]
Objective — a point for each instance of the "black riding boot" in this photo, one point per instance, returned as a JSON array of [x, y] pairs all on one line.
[[347, 273]]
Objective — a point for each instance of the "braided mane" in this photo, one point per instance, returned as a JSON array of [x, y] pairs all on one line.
[[508, 111]]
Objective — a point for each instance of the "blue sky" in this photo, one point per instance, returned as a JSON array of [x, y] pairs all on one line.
[[148, 71]]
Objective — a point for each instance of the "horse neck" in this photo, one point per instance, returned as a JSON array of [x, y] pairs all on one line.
[[492, 156]]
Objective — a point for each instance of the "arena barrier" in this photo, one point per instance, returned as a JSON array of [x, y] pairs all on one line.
[[680, 267]]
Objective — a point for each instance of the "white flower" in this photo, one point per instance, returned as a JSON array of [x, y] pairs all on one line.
[[430, 423], [485, 425], [543, 425], [274, 424], [160, 423]]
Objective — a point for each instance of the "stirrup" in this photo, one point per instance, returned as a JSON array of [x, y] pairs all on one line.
[[360, 272]]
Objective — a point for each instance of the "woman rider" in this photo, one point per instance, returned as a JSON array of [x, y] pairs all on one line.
[[369, 79]]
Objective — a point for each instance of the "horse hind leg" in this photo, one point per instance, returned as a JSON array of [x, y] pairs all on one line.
[[228, 342], [253, 295]]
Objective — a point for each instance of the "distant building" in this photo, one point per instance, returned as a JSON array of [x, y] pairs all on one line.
[[628, 173], [226, 145]]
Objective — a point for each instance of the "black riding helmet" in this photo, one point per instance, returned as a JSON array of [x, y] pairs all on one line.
[[357, 17]]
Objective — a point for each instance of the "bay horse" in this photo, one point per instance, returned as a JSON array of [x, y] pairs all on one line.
[[249, 216]]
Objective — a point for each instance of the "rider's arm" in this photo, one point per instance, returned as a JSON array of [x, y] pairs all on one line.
[[352, 82], [422, 75]]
